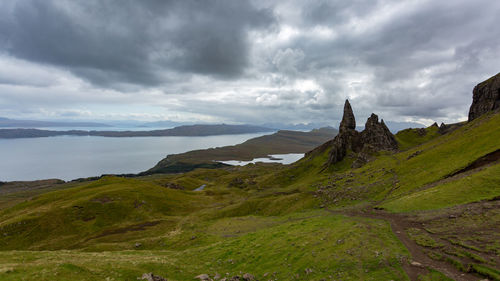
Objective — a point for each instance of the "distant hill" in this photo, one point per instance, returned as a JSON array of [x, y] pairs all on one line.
[[281, 142], [192, 130], [14, 123], [164, 124]]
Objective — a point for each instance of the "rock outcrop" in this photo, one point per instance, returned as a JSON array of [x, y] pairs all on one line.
[[151, 277], [486, 97], [376, 136], [347, 138], [245, 277]]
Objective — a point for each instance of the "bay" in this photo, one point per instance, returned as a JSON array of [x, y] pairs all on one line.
[[275, 158], [71, 157]]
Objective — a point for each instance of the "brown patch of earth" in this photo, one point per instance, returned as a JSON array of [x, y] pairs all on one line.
[[440, 226], [135, 227]]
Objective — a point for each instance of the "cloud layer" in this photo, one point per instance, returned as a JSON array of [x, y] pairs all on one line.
[[245, 61]]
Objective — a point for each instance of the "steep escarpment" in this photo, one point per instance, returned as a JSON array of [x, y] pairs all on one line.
[[486, 97]]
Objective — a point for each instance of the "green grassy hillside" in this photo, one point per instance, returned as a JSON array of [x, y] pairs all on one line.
[[305, 221]]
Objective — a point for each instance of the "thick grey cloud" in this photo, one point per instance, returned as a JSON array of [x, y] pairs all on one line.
[[246, 61], [126, 41]]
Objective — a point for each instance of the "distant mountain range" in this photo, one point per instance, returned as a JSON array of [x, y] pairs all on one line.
[[14, 123], [392, 125], [191, 130], [130, 124]]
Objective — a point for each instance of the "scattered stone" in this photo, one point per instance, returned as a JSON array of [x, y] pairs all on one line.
[[202, 277], [173, 186], [248, 277], [416, 264], [151, 277], [245, 277]]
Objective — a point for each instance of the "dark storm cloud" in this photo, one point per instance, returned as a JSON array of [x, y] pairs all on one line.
[[122, 41], [251, 61]]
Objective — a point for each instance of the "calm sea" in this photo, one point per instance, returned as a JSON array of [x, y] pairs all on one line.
[[71, 157]]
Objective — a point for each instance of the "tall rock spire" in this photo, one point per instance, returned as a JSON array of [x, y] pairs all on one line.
[[376, 136], [348, 120]]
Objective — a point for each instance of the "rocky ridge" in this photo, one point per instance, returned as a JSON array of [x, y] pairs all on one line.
[[485, 97], [375, 137]]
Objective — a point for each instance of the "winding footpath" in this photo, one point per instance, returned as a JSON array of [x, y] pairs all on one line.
[[420, 261]]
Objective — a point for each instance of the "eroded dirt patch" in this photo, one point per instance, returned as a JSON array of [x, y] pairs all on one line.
[[480, 162], [453, 241], [135, 227]]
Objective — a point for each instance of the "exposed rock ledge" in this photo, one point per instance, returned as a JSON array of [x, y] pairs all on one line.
[[485, 97]]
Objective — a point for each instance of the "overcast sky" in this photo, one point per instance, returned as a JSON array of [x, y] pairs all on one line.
[[245, 61]]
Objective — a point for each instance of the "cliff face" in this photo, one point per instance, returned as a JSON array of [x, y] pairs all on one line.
[[486, 97], [376, 136]]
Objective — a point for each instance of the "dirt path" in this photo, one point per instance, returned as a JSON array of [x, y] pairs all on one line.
[[420, 261]]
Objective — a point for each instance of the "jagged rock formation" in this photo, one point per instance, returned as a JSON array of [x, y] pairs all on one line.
[[447, 128], [486, 97], [376, 136]]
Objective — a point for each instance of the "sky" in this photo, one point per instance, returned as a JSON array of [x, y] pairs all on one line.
[[254, 62]]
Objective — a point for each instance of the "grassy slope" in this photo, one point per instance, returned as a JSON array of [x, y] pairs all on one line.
[[409, 138], [257, 218], [218, 230], [390, 177], [479, 186], [328, 245], [447, 154]]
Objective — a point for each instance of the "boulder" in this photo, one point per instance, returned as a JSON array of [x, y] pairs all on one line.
[[485, 97], [202, 277], [151, 277], [248, 277]]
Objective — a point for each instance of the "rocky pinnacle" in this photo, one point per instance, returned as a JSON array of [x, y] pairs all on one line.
[[348, 120]]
